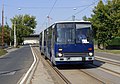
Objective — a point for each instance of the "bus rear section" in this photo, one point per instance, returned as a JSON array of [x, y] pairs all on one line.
[[41, 42]]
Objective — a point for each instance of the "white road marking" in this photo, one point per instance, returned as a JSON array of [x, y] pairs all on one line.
[[30, 69]]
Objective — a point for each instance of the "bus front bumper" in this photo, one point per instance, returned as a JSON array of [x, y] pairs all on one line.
[[74, 58]]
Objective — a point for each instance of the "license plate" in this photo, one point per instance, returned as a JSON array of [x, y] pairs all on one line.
[[75, 59]]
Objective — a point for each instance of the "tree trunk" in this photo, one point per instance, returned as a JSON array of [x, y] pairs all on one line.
[[99, 45]]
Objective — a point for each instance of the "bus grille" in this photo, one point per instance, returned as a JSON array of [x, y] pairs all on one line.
[[75, 54]]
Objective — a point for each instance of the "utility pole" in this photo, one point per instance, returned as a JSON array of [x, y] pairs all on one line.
[[14, 24], [14, 34], [10, 37], [3, 25], [48, 17], [73, 16]]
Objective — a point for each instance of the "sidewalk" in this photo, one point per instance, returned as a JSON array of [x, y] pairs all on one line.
[[41, 76]]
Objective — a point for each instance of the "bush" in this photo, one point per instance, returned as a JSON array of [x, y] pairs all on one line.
[[114, 44]]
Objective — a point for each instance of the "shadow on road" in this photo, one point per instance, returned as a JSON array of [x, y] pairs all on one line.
[[81, 66]]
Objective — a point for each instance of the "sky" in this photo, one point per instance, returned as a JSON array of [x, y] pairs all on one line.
[[58, 10]]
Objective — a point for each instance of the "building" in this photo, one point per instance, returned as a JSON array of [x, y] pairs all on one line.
[[31, 39]]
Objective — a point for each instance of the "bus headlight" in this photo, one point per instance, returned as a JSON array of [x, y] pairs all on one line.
[[60, 54], [60, 49], [90, 54]]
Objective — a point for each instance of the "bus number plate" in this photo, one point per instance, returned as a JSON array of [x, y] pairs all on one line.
[[75, 59]]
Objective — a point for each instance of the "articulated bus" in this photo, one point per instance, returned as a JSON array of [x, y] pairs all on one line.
[[68, 42]]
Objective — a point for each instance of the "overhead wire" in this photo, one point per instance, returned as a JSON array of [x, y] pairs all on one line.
[[86, 6], [49, 12], [52, 7], [38, 7], [95, 1], [82, 9]]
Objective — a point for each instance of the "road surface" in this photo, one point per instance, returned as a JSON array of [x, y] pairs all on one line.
[[14, 65]]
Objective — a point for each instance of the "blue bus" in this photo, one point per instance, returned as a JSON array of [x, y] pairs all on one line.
[[68, 42]]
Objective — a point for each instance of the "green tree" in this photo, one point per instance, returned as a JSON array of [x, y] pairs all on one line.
[[85, 18], [6, 34], [115, 16], [98, 23], [106, 21], [25, 25]]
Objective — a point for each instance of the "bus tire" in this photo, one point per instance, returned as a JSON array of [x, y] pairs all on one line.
[[45, 57], [92, 62], [42, 54]]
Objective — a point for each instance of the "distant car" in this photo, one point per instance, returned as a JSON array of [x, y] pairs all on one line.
[[6, 45]]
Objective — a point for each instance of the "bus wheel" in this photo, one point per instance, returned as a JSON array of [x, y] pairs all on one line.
[[92, 62], [45, 57], [42, 53]]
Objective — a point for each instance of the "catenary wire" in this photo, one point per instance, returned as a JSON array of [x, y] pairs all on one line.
[[82, 9]]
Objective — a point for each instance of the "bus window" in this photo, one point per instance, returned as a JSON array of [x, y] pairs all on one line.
[[83, 33], [65, 33]]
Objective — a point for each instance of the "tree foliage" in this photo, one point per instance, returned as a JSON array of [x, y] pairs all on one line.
[[85, 18], [6, 34], [25, 25], [106, 21]]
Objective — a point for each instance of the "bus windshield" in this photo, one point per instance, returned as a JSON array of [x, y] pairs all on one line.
[[71, 33], [84, 33], [65, 33]]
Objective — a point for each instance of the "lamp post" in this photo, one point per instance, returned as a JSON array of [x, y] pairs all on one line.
[[73, 16], [48, 17], [14, 24], [15, 38], [19, 8]]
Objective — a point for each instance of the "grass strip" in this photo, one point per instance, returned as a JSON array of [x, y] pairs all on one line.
[[108, 51], [2, 52]]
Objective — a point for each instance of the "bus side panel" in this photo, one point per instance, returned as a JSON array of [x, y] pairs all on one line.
[[42, 42]]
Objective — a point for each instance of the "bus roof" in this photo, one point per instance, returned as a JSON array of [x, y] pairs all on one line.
[[82, 21]]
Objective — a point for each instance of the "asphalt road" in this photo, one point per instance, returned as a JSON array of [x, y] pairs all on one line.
[[14, 65], [108, 55]]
